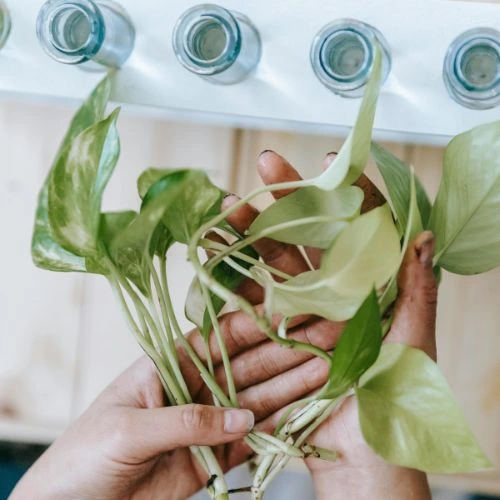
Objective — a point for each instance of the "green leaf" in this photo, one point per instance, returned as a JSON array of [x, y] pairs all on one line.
[[397, 176], [365, 254], [413, 226], [466, 214], [341, 204], [190, 208], [409, 417], [299, 297], [357, 348], [128, 260], [146, 234], [76, 184], [152, 175], [46, 252], [196, 310], [350, 163]]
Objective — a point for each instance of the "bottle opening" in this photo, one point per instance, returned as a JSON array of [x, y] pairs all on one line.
[[480, 66], [345, 55], [471, 68], [71, 29], [342, 56], [208, 40]]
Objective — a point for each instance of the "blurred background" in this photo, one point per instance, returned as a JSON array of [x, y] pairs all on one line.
[[62, 338]]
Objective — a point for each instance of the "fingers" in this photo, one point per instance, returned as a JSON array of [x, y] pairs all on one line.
[[415, 311], [373, 197], [266, 398], [149, 433], [274, 169], [282, 256], [269, 359]]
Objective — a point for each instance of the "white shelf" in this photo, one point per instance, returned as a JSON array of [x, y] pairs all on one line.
[[284, 93]]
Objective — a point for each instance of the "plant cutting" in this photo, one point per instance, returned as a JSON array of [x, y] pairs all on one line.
[[355, 282]]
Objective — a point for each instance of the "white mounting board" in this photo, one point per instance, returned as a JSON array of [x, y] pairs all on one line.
[[284, 92]]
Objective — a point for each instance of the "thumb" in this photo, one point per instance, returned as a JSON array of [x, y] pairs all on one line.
[[156, 431], [415, 312]]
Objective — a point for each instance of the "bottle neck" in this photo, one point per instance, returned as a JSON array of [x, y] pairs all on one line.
[[472, 68], [342, 56], [216, 44], [79, 31]]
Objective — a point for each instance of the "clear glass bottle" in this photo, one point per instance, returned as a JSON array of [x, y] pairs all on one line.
[[5, 24], [342, 55], [97, 34], [219, 45], [471, 69]]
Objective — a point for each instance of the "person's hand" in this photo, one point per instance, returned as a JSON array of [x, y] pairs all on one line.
[[129, 445], [358, 472]]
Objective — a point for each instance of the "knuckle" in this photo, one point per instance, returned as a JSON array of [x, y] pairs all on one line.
[[196, 416]]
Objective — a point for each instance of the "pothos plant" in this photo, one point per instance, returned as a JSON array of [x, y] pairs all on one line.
[[406, 410]]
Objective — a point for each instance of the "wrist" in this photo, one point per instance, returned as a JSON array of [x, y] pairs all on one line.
[[376, 481]]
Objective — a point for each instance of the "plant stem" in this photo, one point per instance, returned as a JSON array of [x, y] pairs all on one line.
[[266, 232], [222, 347], [245, 306], [205, 374], [213, 245], [204, 454]]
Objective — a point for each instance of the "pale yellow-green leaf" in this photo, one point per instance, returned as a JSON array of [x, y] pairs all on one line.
[[466, 214], [366, 254], [302, 297], [341, 204], [349, 164], [408, 415]]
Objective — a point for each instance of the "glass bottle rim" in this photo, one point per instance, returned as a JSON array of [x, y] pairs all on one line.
[[47, 17], [188, 25], [367, 35], [457, 83], [6, 24]]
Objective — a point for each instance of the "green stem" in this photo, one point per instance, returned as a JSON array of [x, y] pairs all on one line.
[[205, 374], [213, 245], [204, 454], [266, 232], [222, 346], [170, 347], [228, 296]]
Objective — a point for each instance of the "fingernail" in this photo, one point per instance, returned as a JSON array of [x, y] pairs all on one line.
[[266, 151], [227, 195], [238, 421], [426, 250], [331, 153]]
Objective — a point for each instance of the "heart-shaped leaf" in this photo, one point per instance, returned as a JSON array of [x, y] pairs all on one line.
[[409, 417], [76, 184], [466, 214], [45, 251]]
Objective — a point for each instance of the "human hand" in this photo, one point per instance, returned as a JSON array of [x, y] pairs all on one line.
[[359, 472], [129, 445]]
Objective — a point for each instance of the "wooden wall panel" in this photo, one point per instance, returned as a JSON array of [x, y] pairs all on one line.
[[39, 312]]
